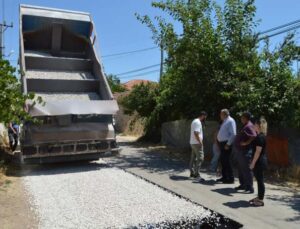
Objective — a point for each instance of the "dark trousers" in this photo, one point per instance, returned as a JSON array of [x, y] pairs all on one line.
[[243, 164], [225, 158], [13, 140], [259, 175]]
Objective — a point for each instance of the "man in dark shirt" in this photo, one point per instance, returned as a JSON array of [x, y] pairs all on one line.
[[244, 153], [13, 135]]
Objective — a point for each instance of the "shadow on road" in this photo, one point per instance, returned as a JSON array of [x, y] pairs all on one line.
[[210, 182], [224, 191], [151, 159], [179, 178], [238, 204], [292, 201]]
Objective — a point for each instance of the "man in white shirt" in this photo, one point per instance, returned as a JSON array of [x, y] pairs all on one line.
[[196, 142], [226, 136]]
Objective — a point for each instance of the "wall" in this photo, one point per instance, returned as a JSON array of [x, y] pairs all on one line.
[[177, 134], [283, 145]]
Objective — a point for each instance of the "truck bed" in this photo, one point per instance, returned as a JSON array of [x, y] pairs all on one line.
[[59, 63]]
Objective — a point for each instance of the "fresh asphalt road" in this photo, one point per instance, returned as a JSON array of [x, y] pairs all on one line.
[[282, 204]]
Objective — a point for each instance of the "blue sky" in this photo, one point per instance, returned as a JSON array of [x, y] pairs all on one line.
[[119, 31]]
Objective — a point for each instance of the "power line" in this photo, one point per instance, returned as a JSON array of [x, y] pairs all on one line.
[[138, 70], [280, 27], [291, 27], [280, 32], [143, 73], [129, 52]]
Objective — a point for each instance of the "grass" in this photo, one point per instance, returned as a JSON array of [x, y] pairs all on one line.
[[289, 174]]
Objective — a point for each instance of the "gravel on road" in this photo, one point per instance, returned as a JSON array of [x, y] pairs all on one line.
[[98, 196]]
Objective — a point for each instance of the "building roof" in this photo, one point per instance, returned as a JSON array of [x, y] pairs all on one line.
[[130, 84]]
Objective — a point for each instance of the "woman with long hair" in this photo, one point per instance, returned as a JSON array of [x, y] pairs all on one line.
[[259, 161]]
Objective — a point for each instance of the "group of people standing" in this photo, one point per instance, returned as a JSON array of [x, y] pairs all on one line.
[[246, 149]]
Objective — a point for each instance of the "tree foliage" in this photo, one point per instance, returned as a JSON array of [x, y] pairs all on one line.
[[115, 84], [12, 100], [142, 99], [216, 61]]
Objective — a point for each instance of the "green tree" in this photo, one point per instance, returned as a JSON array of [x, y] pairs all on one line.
[[142, 99], [12, 100], [205, 63], [115, 84], [215, 62]]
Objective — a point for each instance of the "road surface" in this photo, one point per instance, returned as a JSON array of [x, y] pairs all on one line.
[[137, 189]]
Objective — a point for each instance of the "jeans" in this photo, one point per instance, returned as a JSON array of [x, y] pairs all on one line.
[[13, 140], [259, 176], [197, 157], [227, 173], [244, 158], [215, 160]]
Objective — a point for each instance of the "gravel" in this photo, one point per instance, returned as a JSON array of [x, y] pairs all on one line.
[[69, 96], [60, 75], [97, 196]]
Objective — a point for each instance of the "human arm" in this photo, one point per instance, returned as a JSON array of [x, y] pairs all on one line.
[[196, 133], [232, 133], [257, 153], [248, 142], [250, 133], [10, 126]]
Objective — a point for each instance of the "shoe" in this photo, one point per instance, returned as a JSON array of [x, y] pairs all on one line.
[[192, 174], [249, 190], [240, 187], [201, 179], [196, 175], [228, 182], [257, 203], [220, 180], [253, 200]]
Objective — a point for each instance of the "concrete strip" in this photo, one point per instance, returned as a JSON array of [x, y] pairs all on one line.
[[282, 204]]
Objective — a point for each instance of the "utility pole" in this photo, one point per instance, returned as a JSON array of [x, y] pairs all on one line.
[[3, 28]]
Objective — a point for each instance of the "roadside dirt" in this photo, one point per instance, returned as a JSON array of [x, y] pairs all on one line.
[[15, 211]]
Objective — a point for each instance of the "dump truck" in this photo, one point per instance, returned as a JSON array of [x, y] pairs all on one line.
[[60, 62]]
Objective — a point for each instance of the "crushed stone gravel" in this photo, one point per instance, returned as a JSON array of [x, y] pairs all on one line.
[[69, 96], [103, 197], [59, 75]]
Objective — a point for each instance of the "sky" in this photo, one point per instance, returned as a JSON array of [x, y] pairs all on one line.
[[119, 31]]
